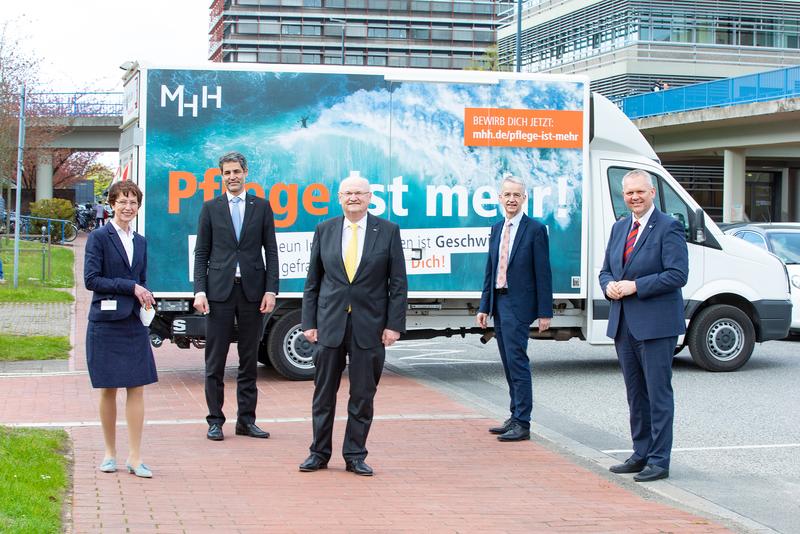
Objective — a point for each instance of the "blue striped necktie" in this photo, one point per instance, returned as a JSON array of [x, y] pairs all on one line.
[[236, 216]]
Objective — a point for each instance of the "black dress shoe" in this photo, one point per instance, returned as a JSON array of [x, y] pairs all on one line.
[[651, 473], [516, 432], [215, 433], [313, 463], [359, 467], [502, 429], [630, 466], [250, 429]]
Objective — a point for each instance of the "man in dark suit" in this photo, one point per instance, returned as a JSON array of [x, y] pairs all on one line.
[[646, 265], [232, 281], [354, 304], [517, 289]]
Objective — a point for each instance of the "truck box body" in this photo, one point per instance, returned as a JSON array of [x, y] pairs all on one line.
[[434, 145]]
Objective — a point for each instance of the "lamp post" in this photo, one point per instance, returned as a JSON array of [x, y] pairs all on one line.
[[343, 25], [519, 36]]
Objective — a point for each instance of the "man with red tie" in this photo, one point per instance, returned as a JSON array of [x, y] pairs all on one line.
[[517, 289], [646, 265]]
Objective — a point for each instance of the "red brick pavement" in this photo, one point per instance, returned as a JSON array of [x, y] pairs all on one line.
[[445, 475]]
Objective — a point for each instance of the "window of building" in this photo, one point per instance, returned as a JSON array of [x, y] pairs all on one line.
[[309, 29], [462, 35], [291, 29], [398, 5], [356, 30], [247, 2], [462, 7], [247, 27], [354, 59], [355, 4], [311, 58], [422, 34], [378, 4], [442, 7], [376, 60], [484, 36], [312, 3], [378, 33], [269, 28], [398, 33], [334, 3], [247, 57], [484, 8], [441, 35], [440, 62], [398, 61], [419, 61], [420, 6], [291, 57], [292, 3], [269, 57], [333, 60]]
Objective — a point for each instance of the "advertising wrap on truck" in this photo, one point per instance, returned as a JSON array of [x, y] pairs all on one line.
[[434, 151]]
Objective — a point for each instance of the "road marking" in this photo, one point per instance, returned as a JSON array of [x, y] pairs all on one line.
[[167, 422], [719, 448], [433, 356]]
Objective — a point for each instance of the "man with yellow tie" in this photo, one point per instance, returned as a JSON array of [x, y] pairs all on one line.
[[354, 304]]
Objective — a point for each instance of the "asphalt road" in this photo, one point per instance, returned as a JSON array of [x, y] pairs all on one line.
[[737, 435]]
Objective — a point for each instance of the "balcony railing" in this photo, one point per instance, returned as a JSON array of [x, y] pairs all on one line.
[[76, 104], [764, 86]]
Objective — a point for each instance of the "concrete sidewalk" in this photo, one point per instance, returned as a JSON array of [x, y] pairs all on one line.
[[437, 468]]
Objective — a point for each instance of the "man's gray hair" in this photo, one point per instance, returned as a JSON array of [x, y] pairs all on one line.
[[514, 180], [638, 172], [233, 157]]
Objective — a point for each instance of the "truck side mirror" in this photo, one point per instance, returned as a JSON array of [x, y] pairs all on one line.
[[697, 226]]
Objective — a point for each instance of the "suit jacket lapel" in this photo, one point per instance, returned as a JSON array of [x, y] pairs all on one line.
[[248, 214], [337, 244], [224, 214], [523, 225], [112, 233], [619, 246], [370, 236], [138, 249]]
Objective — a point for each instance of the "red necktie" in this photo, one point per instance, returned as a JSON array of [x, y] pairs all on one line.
[[630, 242]]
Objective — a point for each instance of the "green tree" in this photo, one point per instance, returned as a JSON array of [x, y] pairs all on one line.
[[490, 60], [101, 175]]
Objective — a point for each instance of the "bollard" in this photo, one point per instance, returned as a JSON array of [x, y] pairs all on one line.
[[44, 250]]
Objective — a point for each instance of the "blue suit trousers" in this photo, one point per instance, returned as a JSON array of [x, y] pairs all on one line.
[[647, 370], [512, 341]]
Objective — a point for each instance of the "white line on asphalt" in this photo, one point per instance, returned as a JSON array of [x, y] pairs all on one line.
[[165, 422], [720, 448]]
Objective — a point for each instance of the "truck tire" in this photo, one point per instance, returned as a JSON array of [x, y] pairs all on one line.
[[721, 338], [288, 350]]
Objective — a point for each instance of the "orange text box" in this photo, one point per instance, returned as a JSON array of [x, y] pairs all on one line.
[[525, 128]]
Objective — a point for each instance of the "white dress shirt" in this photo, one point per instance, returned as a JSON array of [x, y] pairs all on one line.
[[514, 226], [347, 234], [127, 240]]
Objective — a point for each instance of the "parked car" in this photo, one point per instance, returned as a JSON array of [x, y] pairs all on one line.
[[783, 240]]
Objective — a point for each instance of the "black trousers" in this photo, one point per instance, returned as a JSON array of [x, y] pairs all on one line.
[[219, 329], [365, 368]]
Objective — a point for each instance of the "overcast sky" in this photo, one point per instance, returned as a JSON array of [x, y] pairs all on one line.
[[83, 42]]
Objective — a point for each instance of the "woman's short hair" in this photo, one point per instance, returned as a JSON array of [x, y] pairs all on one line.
[[123, 188]]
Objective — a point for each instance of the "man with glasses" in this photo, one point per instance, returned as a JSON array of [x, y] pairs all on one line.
[[354, 304], [517, 289], [231, 281]]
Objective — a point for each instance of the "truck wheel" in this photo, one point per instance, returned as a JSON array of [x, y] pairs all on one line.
[[721, 338], [288, 350]]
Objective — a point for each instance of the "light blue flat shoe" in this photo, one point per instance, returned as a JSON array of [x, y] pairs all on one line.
[[142, 471], [108, 466]]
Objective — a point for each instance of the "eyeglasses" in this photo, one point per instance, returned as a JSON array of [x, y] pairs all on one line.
[[124, 203], [354, 193]]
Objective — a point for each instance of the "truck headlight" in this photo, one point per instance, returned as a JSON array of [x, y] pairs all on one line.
[[796, 281]]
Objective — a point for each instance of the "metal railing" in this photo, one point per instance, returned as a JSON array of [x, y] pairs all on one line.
[[61, 230], [76, 104], [764, 86]]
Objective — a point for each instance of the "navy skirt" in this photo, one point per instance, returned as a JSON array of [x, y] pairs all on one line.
[[118, 354]]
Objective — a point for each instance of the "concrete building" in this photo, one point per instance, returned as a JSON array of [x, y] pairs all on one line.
[[628, 47], [394, 33]]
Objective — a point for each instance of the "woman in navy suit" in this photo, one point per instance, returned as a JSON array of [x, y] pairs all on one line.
[[118, 349]]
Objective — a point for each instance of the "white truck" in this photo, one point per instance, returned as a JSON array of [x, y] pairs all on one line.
[[434, 145]]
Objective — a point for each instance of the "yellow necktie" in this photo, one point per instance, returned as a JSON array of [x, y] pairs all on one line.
[[351, 254]]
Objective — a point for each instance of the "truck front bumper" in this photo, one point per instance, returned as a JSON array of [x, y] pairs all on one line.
[[774, 318]]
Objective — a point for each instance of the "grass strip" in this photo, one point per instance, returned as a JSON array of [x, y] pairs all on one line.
[[33, 480], [17, 348]]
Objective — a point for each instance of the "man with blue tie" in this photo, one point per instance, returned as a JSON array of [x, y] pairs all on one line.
[[646, 265], [233, 281], [517, 289]]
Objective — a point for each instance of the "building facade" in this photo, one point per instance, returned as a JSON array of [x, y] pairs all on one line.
[[393, 33], [629, 46]]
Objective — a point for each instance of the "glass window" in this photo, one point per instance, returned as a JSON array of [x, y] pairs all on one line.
[[269, 28], [786, 245], [269, 57], [334, 3], [380, 33], [462, 35], [484, 36], [332, 29], [379, 61], [398, 5], [398, 61], [421, 6], [247, 57], [291, 29], [422, 34], [356, 4], [356, 30], [312, 30], [752, 237], [247, 2], [247, 27], [398, 33], [333, 60], [462, 7], [440, 62], [420, 61], [378, 4], [312, 3], [291, 57], [311, 58], [441, 35], [441, 7], [354, 59]]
